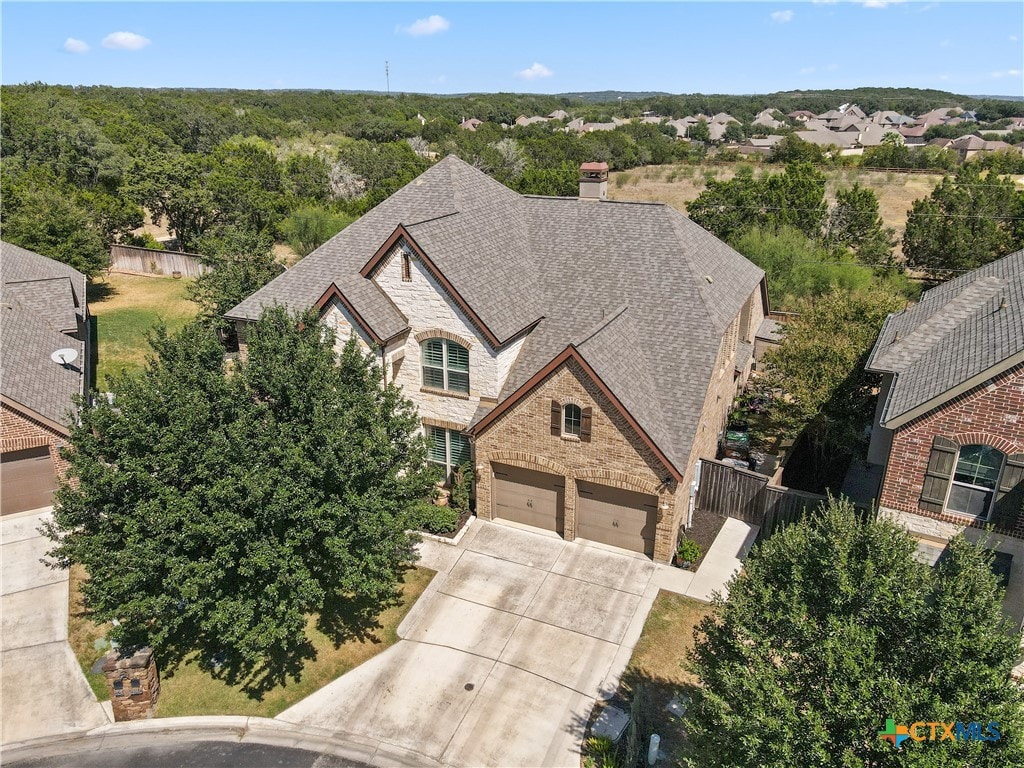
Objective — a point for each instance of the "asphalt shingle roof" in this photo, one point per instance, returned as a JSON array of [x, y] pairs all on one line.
[[643, 292], [957, 331], [42, 300]]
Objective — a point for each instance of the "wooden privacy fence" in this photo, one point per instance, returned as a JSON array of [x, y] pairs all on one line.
[[151, 261], [732, 492]]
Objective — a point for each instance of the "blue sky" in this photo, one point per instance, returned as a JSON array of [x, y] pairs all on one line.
[[681, 47]]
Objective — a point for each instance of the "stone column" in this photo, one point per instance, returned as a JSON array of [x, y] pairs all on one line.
[[133, 683]]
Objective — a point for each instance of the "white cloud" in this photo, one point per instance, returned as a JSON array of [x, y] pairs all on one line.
[[74, 45], [781, 17], [125, 41], [807, 70], [428, 26], [535, 71], [1014, 38], [880, 3], [1007, 73]]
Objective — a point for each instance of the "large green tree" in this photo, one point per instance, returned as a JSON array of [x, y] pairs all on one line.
[[854, 224], [215, 512], [833, 627], [241, 262], [829, 397], [967, 221]]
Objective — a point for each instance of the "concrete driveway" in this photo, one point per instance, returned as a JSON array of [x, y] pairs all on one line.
[[501, 659], [43, 690]]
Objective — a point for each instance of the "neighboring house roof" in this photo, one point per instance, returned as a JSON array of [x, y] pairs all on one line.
[[766, 117], [914, 132], [559, 114], [764, 141], [959, 334], [796, 115], [659, 290], [828, 138], [872, 134], [769, 330], [471, 124], [43, 302], [724, 118], [524, 120], [977, 144]]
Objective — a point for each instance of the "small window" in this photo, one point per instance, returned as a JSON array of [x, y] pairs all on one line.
[[447, 448], [975, 480], [572, 418], [445, 365]]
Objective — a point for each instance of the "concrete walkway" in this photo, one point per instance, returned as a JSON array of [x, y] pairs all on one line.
[[43, 689], [724, 559], [502, 657]]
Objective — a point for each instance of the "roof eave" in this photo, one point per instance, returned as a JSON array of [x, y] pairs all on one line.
[[968, 384], [35, 415]]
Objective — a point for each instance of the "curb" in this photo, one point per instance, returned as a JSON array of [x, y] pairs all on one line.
[[243, 730]]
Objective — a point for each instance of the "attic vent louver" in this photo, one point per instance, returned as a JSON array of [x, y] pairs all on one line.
[[709, 279]]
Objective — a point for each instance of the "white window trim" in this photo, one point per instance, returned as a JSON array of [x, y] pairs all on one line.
[[448, 465], [579, 423], [444, 368]]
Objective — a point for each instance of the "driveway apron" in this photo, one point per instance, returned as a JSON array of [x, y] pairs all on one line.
[[502, 658], [44, 692]]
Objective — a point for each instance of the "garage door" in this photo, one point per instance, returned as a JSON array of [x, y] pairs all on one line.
[[27, 480], [528, 497], [614, 516]]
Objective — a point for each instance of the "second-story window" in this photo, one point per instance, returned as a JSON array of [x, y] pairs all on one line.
[[572, 419], [445, 365]]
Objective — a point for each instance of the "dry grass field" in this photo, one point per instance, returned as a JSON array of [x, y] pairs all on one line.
[[678, 185]]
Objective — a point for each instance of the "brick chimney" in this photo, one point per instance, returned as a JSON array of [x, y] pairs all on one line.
[[594, 181]]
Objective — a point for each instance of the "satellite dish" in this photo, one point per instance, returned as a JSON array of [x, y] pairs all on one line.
[[64, 356]]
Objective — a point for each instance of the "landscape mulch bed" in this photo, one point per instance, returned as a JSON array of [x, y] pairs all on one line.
[[704, 530]]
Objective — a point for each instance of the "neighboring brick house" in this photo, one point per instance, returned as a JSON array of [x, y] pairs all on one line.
[[950, 419], [583, 353], [43, 310]]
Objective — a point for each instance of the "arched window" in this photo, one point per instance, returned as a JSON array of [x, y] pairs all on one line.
[[975, 480], [445, 365], [572, 419]]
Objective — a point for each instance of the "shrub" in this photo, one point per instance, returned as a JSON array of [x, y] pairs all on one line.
[[428, 516], [688, 550], [600, 752], [462, 487]]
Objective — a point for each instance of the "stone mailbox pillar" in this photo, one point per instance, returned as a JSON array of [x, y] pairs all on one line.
[[133, 683]]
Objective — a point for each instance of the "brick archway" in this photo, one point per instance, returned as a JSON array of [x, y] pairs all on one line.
[[985, 438]]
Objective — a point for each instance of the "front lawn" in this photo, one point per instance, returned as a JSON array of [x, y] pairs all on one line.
[[191, 691], [658, 666], [126, 307]]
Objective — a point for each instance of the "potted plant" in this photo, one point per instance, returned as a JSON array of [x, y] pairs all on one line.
[[687, 553]]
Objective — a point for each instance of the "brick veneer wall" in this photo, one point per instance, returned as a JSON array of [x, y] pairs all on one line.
[[615, 455], [991, 414], [20, 432]]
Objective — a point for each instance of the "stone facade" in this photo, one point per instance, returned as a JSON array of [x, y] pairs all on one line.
[[134, 685], [20, 431], [615, 454], [990, 414], [433, 313]]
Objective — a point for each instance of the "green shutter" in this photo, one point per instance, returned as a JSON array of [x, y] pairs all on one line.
[[437, 451], [460, 449], [941, 463]]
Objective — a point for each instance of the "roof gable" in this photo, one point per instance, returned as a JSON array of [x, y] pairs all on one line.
[[967, 327]]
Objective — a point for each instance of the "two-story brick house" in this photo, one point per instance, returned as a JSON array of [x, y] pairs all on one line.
[[950, 419], [583, 353], [43, 311]]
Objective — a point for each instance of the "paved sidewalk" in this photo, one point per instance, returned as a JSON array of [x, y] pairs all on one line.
[[43, 689], [725, 557], [502, 657]]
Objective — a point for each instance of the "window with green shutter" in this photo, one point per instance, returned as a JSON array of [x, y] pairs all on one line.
[[445, 365], [447, 448]]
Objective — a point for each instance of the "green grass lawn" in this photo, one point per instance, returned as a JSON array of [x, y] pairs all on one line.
[[191, 691], [126, 307]]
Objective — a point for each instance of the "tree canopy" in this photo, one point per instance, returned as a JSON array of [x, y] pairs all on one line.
[[215, 512], [832, 628], [968, 221]]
